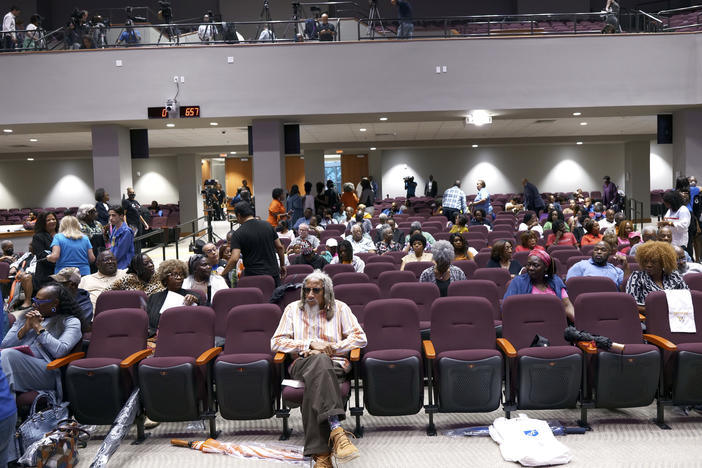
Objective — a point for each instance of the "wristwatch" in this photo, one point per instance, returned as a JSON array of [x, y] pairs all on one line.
[[41, 330]]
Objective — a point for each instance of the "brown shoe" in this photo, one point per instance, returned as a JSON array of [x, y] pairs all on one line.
[[342, 448], [323, 461]]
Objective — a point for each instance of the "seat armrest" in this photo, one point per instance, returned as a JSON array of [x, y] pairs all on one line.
[[134, 358], [587, 346], [642, 317], [429, 351], [660, 342], [208, 355], [64, 361], [506, 347], [279, 358], [355, 355]]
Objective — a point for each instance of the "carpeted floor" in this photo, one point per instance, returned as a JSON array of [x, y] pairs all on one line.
[[620, 438]]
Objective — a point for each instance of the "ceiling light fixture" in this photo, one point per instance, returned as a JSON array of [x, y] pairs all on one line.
[[33, 140], [232, 152], [583, 123], [475, 146], [579, 143], [577, 113], [479, 118], [383, 119], [170, 125], [362, 129], [214, 124], [372, 148], [30, 159], [7, 130]]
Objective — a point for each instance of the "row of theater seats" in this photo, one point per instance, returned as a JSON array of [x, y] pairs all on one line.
[[466, 367]]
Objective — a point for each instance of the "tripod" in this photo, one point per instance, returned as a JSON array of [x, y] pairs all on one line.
[[265, 15], [170, 30], [373, 18], [295, 21]]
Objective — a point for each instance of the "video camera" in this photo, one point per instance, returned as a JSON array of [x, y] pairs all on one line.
[[166, 10], [409, 179], [130, 16], [210, 193]]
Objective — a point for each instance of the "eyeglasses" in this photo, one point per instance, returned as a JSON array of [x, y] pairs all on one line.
[[176, 275], [306, 291], [38, 302]]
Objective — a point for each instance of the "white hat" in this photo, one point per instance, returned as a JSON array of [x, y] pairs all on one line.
[[331, 242]]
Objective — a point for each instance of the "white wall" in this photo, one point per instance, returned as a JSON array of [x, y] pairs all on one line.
[[661, 166], [155, 179], [553, 168]]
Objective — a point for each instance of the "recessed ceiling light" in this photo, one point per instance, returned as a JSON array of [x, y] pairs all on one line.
[[214, 124], [362, 129], [579, 143], [170, 125], [222, 155], [383, 119], [7, 130], [577, 113], [372, 148], [583, 123], [30, 159], [339, 151], [475, 146], [232, 152], [479, 118], [33, 140]]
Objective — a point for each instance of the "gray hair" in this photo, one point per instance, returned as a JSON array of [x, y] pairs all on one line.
[[83, 211], [386, 229], [329, 302], [415, 225], [382, 217], [442, 251]]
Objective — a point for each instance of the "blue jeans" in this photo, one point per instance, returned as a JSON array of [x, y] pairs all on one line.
[[406, 30], [7, 426]]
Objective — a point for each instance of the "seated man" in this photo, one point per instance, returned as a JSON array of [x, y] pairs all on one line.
[[308, 214], [309, 257], [304, 237], [360, 220], [359, 241], [319, 362], [598, 265], [210, 251], [608, 222], [665, 234], [107, 273], [685, 267], [69, 278], [8, 252], [648, 233]]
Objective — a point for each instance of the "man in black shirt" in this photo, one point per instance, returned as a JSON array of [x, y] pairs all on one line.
[[132, 210], [404, 12], [256, 242], [309, 257], [325, 29], [431, 188]]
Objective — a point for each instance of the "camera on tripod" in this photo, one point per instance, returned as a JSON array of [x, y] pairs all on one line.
[[129, 11], [409, 179], [210, 193], [166, 10]]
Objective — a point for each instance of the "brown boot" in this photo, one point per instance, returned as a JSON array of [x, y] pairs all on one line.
[[342, 448], [323, 461]]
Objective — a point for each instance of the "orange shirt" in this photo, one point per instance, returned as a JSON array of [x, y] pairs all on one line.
[[589, 239], [349, 199], [276, 212]]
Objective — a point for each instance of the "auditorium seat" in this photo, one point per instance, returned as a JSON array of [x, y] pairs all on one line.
[[482, 259], [480, 288], [694, 281], [381, 259], [263, 282], [387, 279], [468, 267], [356, 296], [373, 270], [423, 295], [588, 284], [333, 269], [120, 300], [418, 267], [298, 269], [350, 278], [499, 276], [226, 299]]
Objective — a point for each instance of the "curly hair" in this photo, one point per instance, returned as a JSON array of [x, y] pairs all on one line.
[[443, 252], [169, 267], [662, 252], [673, 198], [621, 228], [418, 238]]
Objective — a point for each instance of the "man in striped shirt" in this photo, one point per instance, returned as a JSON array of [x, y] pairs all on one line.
[[318, 331]]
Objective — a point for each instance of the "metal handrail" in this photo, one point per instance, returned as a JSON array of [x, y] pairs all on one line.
[[679, 10], [195, 231], [162, 244], [658, 20]]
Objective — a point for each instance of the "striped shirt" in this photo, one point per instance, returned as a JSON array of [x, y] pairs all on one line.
[[301, 326]]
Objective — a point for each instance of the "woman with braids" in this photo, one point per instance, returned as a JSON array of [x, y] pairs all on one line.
[[541, 278], [659, 264], [50, 330], [140, 277]]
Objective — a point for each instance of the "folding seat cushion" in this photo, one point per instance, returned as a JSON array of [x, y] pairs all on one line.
[[588, 284], [423, 295], [120, 300], [619, 380], [392, 361], [418, 267], [539, 377], [373, 270], [263, 282], [388, 278], [351, 278], [356, 296], [244, 371], [116, 335], [468, 367], [225, 299]]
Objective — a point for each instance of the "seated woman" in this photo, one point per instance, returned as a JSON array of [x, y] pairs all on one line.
[[387, 243], [460, 247], [418, 243], [442, 273], [513, 205], [592, 233], [479, 218], [44, 232], [541, 278], [70, 248], [560, 235], [531, 223], [171, 274], [623, 230], [658, 264], [346, 256], [202, 280], [284, 231], [460, 226], [501, 257], [51, 329], [140, 277], [528, 241], [91, 227], [553, 216]]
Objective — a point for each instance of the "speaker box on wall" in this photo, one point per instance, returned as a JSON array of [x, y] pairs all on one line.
[[292, 139], [250, 132], [665, 129], [139, 142]]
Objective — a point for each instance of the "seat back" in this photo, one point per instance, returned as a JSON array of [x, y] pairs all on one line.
[[525, 316], [478, 288], [589, 284], [185, 331], [611, 314], [418, 267], [396, 255], [694, 281], [657, 322], [499, 276], [351, 278], [380, 259], [299, 269], [250, 327], [356, 296], [468, 267], [575, 259], [263, 282], [118, 333], [391, 324], [482, 259], [120, 300], [459, 323], [225, 299], [333, 269], [422, 294], [387, 278], [373, 270]]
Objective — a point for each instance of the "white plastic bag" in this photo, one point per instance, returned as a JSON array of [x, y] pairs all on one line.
[[528, 441]]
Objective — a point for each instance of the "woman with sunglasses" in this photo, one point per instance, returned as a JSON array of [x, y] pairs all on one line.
[[171, 273], [48, 331]]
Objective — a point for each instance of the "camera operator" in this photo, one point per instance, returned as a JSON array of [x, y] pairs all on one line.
[[207, 32], [129, 36], [325, 29], [211, 198], [410, 186], [76, 28], [99, 32]]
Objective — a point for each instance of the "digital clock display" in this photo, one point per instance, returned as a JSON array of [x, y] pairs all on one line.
[[185, 112]]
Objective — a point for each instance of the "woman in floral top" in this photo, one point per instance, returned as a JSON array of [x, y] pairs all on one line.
[[658, 264], [387, 244]]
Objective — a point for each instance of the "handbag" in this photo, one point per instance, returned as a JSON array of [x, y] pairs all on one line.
[[38, 424], [57, 449]]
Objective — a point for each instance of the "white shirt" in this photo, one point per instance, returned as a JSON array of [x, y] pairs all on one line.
[[216, 283], [358, 264], [681, 221], [364, 245], [8, 24], [32, 35], [536, 227], [206, 32], [604, 224]]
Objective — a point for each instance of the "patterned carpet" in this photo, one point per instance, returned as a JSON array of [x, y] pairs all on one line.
[[620, 438]]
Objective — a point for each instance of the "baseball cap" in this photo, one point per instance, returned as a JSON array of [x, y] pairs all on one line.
[[331, 242], [71, 274], [633, 234]]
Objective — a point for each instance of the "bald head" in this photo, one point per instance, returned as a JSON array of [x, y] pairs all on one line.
[[665, 234], [106, 263]]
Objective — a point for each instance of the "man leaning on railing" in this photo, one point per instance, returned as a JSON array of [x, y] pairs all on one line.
[[9, 36]]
